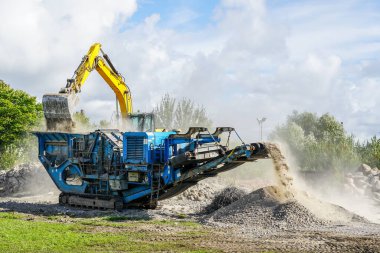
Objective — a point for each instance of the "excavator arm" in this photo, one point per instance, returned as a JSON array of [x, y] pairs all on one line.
[[58, 108], [118, 85], [83, 71]]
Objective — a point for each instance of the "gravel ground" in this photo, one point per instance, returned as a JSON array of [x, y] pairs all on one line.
[[273, 231], [273, 218]]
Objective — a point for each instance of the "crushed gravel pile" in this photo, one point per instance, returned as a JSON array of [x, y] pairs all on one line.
[[267, 208], [25, 179], [280, 207], [224, 198], [203, 191]]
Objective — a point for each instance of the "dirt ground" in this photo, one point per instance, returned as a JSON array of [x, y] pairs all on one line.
[[272, 216], [331, 237]]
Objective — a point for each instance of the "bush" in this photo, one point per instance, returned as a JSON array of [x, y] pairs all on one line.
[[19, 113], [318, 143], [369, 152]]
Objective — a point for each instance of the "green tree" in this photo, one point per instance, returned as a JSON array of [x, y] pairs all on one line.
[[182, 114], [369, 151], [104, 124], [19, 113], [318, 143], [82, 121], [164, 112]]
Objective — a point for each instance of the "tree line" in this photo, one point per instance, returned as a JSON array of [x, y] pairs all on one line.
[[21, 113], [318, 143]]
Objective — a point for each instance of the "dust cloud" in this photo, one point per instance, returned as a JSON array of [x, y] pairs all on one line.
[[322, 194], [28, 181], [285, 180]]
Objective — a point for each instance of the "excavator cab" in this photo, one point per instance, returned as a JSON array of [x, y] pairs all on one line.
[[142, 122]]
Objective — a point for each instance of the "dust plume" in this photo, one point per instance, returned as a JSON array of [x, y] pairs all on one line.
[[317, 190], [285, 181], [27, 180]]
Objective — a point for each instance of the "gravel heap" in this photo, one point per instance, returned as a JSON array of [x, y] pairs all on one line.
[[224, 198], [364, 182], [203, 191], [25, 179], [267, 208], [280, 207]]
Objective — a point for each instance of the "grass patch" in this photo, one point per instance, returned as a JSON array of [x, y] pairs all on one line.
[[10, 215], [92, 235], [102, 223], [53, 217], [181, 216], [194, 233]]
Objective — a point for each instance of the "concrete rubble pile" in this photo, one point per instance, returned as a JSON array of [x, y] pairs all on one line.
[[24, 179], [364, 182]]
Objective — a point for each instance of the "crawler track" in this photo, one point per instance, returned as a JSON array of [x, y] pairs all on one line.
[[91, 201]]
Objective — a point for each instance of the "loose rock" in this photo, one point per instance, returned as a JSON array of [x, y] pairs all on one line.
[[25, 179], [224, 198]]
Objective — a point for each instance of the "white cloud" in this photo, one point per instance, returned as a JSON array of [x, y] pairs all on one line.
[[254, 60], [39, 38]]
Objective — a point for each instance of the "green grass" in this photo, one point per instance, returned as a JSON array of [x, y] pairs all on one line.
[[181, 216], [95, 235], [10, 215]]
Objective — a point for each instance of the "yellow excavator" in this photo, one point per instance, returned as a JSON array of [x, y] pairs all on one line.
[[59, 107]]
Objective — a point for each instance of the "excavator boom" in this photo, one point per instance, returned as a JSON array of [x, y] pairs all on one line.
[[59, 107]]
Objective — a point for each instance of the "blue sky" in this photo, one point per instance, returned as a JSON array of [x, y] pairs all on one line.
[[241, 59], [195, 14]]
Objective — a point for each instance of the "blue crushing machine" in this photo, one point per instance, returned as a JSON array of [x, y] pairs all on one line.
[[109, 169]]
